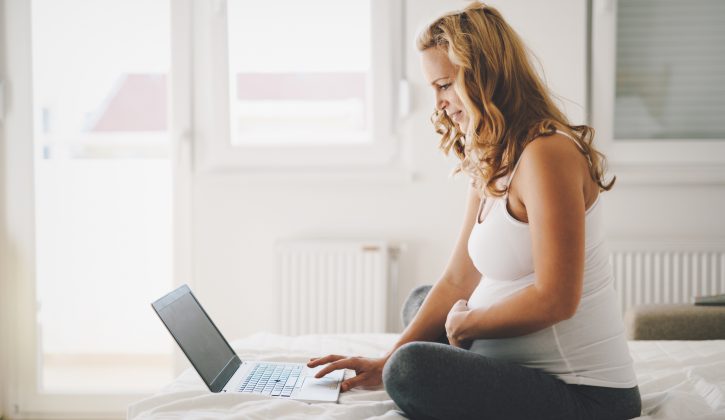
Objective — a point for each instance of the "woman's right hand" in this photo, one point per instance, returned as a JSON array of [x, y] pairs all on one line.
[[369, 372]]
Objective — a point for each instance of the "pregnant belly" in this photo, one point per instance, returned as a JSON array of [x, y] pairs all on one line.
[[491, 291]]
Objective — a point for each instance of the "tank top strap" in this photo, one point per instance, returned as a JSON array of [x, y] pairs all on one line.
[[569, 136], [511, 175], [578, 145], [516, 166]]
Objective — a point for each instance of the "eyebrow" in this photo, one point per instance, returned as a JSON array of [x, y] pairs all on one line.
[[434, 82]]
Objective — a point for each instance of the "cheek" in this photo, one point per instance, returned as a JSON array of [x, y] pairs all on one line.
[[464, 122], [459, 103]]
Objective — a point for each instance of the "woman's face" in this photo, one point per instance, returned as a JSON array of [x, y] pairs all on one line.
[[441, 73]]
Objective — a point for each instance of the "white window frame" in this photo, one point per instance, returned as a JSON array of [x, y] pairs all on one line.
[[680, 161], [198, 96], [213, 149], [18, 305]]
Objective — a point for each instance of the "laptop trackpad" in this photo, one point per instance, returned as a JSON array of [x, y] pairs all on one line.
[[323, 389]]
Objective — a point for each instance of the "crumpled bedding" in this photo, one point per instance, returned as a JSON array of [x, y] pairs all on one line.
[[682, 380]]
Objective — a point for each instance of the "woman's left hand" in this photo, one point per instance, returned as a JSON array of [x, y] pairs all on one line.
[[454, 324]]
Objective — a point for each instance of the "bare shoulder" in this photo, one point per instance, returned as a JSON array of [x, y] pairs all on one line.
[[554, 157], [551, 167], [555, 148]]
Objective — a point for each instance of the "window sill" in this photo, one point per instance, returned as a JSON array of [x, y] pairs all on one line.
[[670, 174], [303, 176]]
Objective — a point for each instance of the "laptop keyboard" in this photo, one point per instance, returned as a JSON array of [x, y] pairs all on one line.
[[275, 380]]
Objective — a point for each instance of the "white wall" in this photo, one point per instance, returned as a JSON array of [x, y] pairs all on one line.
[[238, 218]]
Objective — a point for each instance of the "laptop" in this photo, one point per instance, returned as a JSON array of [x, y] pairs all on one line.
[[223, 371]]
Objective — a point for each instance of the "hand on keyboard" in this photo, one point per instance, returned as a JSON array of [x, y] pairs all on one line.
[[369, 372]]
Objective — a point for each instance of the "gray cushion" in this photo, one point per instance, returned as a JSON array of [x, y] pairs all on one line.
[[675, 322]]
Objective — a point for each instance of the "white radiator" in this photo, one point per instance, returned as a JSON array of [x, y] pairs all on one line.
[[667, 273], [334, 286]]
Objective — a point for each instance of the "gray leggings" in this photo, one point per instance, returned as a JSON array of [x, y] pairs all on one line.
[[436, 381]]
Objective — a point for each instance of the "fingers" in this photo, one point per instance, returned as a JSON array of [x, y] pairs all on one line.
[[349, 363], [324, 360], [354, 381]]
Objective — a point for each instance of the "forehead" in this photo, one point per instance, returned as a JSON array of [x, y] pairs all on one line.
[[435, 64]]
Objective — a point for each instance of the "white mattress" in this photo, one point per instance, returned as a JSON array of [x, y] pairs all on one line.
[[678, 380]]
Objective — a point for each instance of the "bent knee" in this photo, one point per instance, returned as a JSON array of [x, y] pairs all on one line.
[[407, 365], [406, 379]]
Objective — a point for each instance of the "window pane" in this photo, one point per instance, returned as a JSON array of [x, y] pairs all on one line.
[[103, 193], [299, 71], [670, 70]]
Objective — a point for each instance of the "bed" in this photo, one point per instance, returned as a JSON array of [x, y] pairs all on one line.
[[678, 380]]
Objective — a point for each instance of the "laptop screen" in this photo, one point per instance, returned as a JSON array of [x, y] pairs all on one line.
[[197, 336]]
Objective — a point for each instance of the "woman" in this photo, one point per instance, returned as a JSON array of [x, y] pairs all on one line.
[[540, 334]]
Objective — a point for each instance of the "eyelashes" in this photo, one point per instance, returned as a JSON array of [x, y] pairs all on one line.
[[444, 87]]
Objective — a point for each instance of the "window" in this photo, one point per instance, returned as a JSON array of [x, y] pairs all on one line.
[[670, 81], [108, 97], [303, 79], [103, 193], [89, 136], [658, 81], [291, 84]]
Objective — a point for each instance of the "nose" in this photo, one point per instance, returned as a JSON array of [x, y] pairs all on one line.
[[441, 103]]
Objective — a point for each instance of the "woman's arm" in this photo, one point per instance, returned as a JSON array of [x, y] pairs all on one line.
[[458, 281], [550, 185]]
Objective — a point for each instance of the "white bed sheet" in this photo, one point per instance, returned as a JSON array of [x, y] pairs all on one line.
[[683, 380]]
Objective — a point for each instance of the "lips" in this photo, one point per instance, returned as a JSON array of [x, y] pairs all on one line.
[[456, 116]]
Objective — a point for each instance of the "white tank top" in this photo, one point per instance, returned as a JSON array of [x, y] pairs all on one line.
[[588, 349]]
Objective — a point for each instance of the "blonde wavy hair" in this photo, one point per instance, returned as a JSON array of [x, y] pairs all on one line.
[[507, 104]]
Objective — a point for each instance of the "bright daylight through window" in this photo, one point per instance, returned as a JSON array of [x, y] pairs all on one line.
[[103, 193], [304, 80]]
